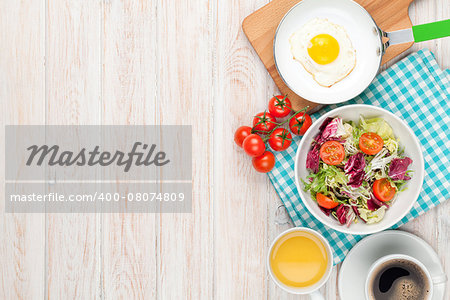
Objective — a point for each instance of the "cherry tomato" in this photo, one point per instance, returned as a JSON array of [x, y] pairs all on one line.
[[280, 106], [280, 139], [332, 153], [253, 145], [241, 133], [300, 124], [264, 122], [325, 202], [370, 143], [383, 190], [264, 163]]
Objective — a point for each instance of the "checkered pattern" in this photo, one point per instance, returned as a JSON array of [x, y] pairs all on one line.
[[416, 90]]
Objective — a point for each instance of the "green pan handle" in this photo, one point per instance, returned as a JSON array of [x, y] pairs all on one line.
[[431, 31]]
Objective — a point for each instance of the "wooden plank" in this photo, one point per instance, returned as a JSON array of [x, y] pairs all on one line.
[[241, 195], [129, 253], [185, 97], [22, 94], [441, 235], [73, 73]]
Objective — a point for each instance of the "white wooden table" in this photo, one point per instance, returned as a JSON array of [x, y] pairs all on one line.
[[154, 62]]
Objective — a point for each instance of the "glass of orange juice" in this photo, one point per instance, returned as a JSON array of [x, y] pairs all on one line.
[[300, 261]]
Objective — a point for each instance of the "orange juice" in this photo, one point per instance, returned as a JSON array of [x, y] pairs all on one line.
[[299, 259]]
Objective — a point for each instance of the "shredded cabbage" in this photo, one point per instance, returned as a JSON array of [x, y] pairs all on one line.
[[380, 163], [361, 192], [349, 146], [343, 130], [392, 145]]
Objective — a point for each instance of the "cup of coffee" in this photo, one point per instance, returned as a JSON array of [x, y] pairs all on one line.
[[399, 276], [300, 261]]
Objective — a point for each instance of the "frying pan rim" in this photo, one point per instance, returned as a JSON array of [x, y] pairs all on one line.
[[316, 100]]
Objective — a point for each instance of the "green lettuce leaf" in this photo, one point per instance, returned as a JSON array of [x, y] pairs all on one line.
[[379, 126], [372, 216], [328, 176]]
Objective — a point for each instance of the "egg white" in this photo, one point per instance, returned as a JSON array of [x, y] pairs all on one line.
[[329, 74]]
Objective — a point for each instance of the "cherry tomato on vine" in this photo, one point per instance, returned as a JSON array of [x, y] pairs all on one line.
[[253, 145], [299, 124], [280, 106], [241, 133], [264, 122], [383, 190], [370, 143], [325, 202], [332, 153], [280, 139], [264, 163]]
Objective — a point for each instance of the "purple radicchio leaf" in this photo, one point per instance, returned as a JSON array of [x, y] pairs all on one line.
[[356, 179], [374, 204], [350, 217], [398, 168], [355, 169], [330, 129], [324, 124], [312, 159], [326, 211], [356, 211], [327, 131], [341, 213], [355, 164], [380, 203], [318, 137]]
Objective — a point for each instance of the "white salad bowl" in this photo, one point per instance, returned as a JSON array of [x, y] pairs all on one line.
[[407, 141]]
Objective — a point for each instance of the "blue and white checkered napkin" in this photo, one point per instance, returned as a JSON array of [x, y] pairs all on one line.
[[416, 90]]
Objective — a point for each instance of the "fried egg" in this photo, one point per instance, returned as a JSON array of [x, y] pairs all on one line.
[[325, 51]]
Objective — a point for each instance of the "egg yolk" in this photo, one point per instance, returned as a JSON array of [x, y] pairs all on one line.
[[323, 49]]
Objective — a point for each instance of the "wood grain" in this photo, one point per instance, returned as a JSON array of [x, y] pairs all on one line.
[[260, 28], [22, 94], [129, 241], [239, 207], [73, 96], [184, 95], [155, 62]]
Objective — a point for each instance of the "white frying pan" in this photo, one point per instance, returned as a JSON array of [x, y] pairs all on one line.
[[366, 38]]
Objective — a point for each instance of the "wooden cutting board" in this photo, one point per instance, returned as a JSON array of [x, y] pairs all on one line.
[[260, 27]]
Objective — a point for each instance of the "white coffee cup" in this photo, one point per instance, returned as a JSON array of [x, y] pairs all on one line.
[[312, 290], [375, 269]]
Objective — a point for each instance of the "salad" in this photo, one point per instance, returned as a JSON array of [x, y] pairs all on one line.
[[357, 170]]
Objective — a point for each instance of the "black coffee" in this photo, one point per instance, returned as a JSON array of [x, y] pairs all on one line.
[[399, 279]]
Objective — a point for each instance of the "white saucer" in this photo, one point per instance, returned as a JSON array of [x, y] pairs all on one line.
[[354, 269]]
